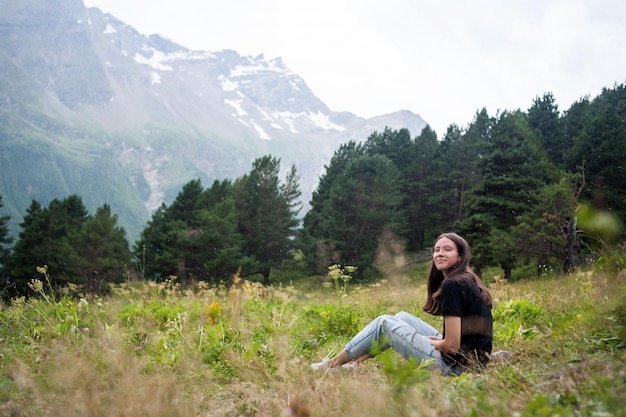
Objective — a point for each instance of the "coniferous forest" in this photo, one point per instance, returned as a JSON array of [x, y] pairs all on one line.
[[539, 190]]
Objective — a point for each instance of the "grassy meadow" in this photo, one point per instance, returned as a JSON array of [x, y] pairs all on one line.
[[151, 349]]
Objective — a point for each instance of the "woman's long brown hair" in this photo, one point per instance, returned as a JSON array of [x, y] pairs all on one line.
[[461, 271]]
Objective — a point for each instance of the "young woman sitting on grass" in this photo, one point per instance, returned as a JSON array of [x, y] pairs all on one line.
[[454, 292]]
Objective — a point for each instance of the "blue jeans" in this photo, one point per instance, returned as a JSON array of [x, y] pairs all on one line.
[[404, 333]]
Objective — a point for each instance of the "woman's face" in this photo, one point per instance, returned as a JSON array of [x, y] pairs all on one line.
[[445, 254]]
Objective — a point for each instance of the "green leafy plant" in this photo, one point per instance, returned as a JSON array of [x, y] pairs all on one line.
[[403, 374], [517, 318]]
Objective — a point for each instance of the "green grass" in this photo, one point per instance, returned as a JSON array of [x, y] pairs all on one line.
[[157, 350]]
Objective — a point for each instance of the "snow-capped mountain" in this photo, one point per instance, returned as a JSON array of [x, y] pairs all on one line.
[[90, 106]]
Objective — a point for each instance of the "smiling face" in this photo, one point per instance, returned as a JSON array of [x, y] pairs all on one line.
[[445, 255]]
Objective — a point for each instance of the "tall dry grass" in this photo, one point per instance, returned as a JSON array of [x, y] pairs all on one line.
[[152, 350]]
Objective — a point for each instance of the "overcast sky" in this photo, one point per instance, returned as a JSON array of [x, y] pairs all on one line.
[[441, 59]]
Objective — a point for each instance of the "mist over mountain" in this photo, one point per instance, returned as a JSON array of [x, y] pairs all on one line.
[[90, 106]]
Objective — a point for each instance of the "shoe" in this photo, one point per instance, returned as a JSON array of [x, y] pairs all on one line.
[[323, 365], [350, 365], [501, 355]]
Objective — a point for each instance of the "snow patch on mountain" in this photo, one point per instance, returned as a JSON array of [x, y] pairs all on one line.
[[197, 55], [155, 78], [316, 119], [260, 131], [322, 120], [256, 67], [227, 84], [236, 104], [155, 61], [158, 59]]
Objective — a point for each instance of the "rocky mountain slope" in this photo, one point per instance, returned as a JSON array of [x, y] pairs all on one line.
[[89, 106]]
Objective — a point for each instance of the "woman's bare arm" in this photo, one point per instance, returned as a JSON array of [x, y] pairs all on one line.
[[452, 342]]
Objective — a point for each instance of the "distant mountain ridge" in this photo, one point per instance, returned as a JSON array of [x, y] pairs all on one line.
[[90, 106]]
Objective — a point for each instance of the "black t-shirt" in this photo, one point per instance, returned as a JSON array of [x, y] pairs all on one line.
[[460, 298]]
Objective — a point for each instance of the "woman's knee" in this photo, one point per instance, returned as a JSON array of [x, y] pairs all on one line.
[[406, 317], [385, 321], [386, 317]]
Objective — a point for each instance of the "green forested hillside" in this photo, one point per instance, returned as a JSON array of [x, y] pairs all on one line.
[[44, 159]]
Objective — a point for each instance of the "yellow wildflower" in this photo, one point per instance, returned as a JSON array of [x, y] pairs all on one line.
[[214, 312]]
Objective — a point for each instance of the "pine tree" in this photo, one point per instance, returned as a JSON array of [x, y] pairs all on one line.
[[544, 118], [194, 238], [600, 146], [511, 171], [418, 198], [317, 222], [267, 213], [211, 244], [547, 233], [45, 240], [215, 253], [102, 250], [153, 251], [363, 207], [394, 144]]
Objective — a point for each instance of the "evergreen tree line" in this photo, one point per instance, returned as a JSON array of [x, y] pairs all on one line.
[[206, 234], [89, 250], [514, 184], [209, 234]]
